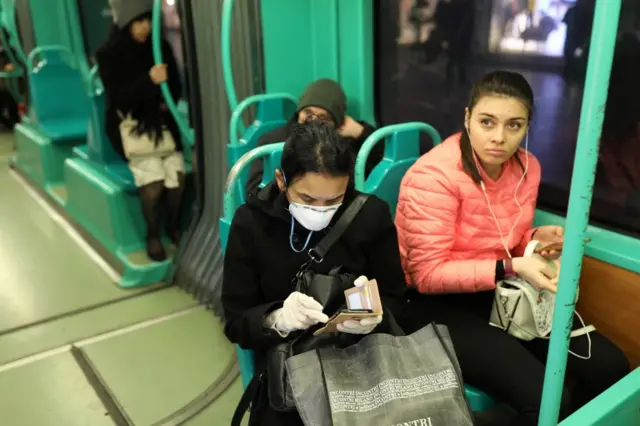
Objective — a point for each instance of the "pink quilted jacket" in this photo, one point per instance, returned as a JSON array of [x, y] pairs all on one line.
[[449, 242]]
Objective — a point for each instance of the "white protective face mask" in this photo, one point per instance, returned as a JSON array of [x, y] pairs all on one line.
[[313, 218]]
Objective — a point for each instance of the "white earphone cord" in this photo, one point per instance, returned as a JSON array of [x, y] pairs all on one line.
[[505, 244], [577, 332]]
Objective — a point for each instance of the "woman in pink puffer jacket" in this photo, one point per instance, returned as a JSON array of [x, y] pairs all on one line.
[[464, 217]]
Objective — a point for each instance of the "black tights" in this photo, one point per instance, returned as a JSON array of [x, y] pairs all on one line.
[[151, 195], [512, 370]]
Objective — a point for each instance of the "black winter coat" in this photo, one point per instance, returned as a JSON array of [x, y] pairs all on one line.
[[280, 135], [259, 265], [124, 66]]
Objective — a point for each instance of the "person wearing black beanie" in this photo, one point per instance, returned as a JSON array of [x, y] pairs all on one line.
[[322, 100]]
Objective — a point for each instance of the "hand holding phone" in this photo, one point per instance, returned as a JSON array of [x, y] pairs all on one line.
[[553, 250], [548, 249]]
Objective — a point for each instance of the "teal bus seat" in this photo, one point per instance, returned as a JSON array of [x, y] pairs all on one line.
[[58, 94], [271, 154], [401, 150], [234, 198], [272, 111], [99, 149], [478, 400]]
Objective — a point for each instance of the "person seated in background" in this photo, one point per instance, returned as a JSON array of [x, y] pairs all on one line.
[[323, 100], [464, 217], [138, 123], [269, 240]]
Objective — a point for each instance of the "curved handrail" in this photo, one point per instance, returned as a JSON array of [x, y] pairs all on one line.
[[157, 58], [234, 174], [51, 48], [236, 116], [227, 69], [382, 134]]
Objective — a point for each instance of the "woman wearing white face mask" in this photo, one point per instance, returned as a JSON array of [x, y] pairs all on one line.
[[271, 236]]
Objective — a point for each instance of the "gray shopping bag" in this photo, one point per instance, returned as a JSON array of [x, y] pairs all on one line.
[[308, 389], [382, 380]]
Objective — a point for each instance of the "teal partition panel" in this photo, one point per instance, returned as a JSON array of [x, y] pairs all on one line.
[[50, 22], [617, 406], [356, 57], [323, 39], [96, 19]]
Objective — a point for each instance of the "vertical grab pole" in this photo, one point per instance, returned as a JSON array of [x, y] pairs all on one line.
[[156, 30], [227, 68], [603, 41]]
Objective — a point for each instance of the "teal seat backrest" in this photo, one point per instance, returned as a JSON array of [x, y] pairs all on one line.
[[234, 198], [402, 149], [272, 111], [58, 93], [100, 148]]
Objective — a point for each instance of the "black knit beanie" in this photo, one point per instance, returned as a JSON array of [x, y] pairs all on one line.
[[326, 94]]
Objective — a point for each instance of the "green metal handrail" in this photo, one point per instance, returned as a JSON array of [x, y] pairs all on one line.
[[156, 37], [51, 48], [235, 124], [230, 197], [603, 40], [225, 37]]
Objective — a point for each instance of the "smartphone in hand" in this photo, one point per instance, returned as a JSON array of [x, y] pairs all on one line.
[[554, 247]]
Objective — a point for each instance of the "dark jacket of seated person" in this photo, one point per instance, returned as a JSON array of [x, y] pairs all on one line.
[[322, 100], [269, 241]]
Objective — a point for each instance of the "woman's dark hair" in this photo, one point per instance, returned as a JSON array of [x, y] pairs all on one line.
[[315, 147], [498, 83]]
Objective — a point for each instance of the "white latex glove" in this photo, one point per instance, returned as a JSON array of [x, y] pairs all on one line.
[[360, 281], [298, 312], [364, 326]]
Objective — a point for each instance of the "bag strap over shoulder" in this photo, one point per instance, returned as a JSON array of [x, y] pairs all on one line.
[[250, 394], [318, 253]]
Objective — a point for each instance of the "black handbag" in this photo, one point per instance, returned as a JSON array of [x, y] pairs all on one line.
[[328, 290]]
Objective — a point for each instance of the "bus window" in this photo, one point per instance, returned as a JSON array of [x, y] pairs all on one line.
[[429, 53]]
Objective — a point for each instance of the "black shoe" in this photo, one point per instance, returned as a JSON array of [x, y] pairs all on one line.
[[155, 249]]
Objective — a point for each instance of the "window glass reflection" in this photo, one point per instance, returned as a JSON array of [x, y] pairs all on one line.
[[429, 53]]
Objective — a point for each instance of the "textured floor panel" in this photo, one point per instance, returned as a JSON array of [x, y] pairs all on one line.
[[155, 371]]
